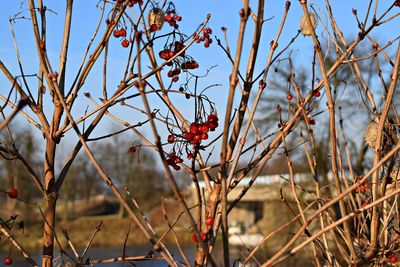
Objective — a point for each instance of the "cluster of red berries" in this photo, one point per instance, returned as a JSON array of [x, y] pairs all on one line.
[[363, 188], [199, 131], [132, 2], [171, 50], [171, 18], [174, 74], [166, 54], [205, 38], [203, 235], [8, 260], [187, 63], [117, 33], [173, 160], [190, 65]]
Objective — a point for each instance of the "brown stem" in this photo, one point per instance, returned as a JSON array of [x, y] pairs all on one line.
[[378, 151], [332, 127]]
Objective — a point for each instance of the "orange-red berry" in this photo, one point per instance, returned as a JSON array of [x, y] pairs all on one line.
[[209, 220], [125, 43], [393, 259]]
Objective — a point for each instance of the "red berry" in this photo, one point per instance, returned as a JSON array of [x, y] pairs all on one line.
[[362, 188], [125, 43], [167, 18], [311, 121], [175, 79], [194, 128], [188, 136], [213, 125], [132, 150], [8, 260], [204, 136], [317, 94], [196, 138], [122, 32], [116, 33], [393, 259], [153, 27], [176, 167], [12, 193], [204, 128], [171, 54], [289, 97], [177, 18], [171, 138], [209, 220], [203, 236], [366, 185], [212, 118], [195, 239], [178, 160], [190, 156], [170, 73], [131, 3], [397, 3], [365, 203]]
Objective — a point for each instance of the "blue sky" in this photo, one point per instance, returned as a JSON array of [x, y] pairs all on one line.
[[224, 13]]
